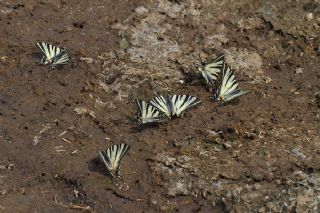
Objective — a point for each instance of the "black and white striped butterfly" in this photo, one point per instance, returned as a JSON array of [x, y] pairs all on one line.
[[174, 105], [211, 70], [148, 114], [53, 55], [228, 89], [112, 158]]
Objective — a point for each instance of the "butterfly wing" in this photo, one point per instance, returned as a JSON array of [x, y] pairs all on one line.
[[162, 103], [211, 70], [209, 78], [228, 89], [147, 113], [234, 94], [49, 52], [106, 160], [60, 59], [113, 156], [182, 103]]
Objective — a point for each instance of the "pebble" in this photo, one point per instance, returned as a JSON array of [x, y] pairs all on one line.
[[141, 10], [299, 70], [309, 16]]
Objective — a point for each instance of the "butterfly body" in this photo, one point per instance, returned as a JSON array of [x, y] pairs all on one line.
[[53, 55]]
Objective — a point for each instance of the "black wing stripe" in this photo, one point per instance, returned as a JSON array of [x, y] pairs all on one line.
[[147, 113], [53, 54], [219, 59], [228, 88], [182, 103]]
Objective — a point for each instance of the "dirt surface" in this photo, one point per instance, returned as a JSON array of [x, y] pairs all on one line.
[[257, 154]]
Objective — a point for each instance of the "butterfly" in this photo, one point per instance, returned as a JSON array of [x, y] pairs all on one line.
[[52, 55], [174, 105], [228, 89], [148, 114], [112, 158], [211, 70]]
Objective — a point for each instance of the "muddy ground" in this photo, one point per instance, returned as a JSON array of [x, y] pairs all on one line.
[[257, 154]]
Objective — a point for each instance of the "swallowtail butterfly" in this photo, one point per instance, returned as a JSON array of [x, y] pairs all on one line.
[[228, 89], [112, 158], [53, 55], [174, 105]]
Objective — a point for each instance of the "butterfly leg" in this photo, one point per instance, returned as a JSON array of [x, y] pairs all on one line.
[[42, 61], [52, 67]]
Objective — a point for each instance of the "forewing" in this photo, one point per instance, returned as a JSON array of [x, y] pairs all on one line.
[[61, 58], [147, 113], [44, 47], [182, 103], [228, 89], [234, 94], [113, 156], [162, 104], [215, 66], [118, 152], [208, 77], [49, 51], [229, 82], [211, 70], [106, 160]]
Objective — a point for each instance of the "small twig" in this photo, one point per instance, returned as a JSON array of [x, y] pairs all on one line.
[[46, 127], [66, 140], [92, 115], [62, 133], [74, 152]]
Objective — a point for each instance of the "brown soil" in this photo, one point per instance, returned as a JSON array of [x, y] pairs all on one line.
[[265, 159]]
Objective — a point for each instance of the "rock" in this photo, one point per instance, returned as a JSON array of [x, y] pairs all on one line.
[[104, 86], [317, 99], [87, 60], [309, 16], [250, 23], [257, 176], [314, 182], [147, 47], [141, 10], [123, 43], [303, 202], [250, 135], [83, 111], [299, 70], [170, 9], [298, 153], [300, 175], [216, 41], [247, 63]]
